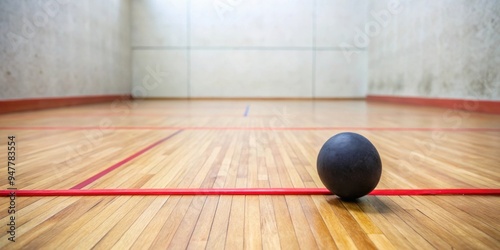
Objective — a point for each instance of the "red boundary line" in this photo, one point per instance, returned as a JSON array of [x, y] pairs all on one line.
[[143, 114], [241, 191], [492, 107], [246, 128], [121, 163]]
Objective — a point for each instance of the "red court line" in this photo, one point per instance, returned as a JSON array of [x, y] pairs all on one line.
[[246, 128], [242, 191], [159, 115], [191, 115], [121, 163]]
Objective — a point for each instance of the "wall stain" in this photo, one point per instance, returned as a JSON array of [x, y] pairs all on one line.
[[460, 59], [481, 87], [447, 86], [425, 86], [399, 84]]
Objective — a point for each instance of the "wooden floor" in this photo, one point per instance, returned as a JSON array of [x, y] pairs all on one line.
[[206, 144]]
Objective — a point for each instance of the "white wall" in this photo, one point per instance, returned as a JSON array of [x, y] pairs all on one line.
[[257, 48], [64, 48], [445, 49]]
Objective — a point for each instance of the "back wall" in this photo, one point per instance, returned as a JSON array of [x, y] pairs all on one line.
[[238, 48]]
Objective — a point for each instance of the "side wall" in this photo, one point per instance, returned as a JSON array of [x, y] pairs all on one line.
[[436, 49], [239, 48], [64, 48]]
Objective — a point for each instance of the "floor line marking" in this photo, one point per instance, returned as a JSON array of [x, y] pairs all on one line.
[[245, 128], [244, 191], [121, 163], [146, 114], [247, 109]]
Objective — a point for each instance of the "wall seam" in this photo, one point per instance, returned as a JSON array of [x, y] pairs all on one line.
[[188, 48], [313, 73]]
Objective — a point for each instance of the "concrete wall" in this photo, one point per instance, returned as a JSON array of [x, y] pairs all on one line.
[[445, 49], [258, 48], [238, 48], [64, 48]]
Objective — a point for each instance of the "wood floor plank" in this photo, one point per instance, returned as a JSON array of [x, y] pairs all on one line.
[[357, 234], [381, 242], [180, 239], [166, 234], [86, 225], [199, 237], [236, 228], [390, 230], [32, 207], [219, 228], [335, 227], [44, 232], [317, 224], [302, 230], [482, 227], [109, 220], [423, 226], [36, 217], [252, 238], [269, 229], [454, 225], [361, 217], [396, 216], [110, 238], [155, 225], [150, 213], [284, 223]]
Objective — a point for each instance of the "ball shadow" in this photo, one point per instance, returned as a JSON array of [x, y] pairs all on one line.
[[366, 204]]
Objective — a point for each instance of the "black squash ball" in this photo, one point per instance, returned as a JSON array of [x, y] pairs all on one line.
[[349, 165]]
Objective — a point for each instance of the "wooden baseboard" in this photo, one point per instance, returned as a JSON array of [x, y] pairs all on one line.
[[8, 106], [492, 107]]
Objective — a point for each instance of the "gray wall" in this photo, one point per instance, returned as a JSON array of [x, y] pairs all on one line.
[[64, 48], [446, 49], [239, 48]]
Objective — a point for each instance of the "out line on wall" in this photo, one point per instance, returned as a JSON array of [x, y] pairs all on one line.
[[286, 48]]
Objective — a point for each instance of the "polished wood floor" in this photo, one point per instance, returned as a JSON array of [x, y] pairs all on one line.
[[206, 144]]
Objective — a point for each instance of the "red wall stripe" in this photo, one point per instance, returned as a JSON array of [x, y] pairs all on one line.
[[8, 106], [492, 107]]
